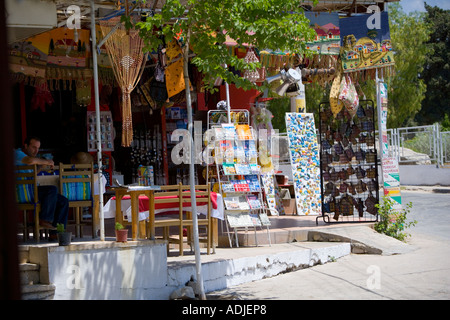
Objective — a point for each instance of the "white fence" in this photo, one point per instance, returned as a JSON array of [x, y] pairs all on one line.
[[420, 145]]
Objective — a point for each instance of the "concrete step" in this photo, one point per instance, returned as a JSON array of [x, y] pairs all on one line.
[[38, 292], [229, 267], [250, 238], [24, 252], [31, 287], [29, 273]]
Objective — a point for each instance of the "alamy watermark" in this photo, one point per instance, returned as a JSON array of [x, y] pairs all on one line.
[[373, 282], [74, 20], [73, 281], [209, 148]]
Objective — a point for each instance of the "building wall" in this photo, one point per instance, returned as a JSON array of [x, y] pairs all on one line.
[[122, 272]]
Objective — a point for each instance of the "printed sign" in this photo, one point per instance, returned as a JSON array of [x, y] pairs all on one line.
[[384, 137], [391, 180]]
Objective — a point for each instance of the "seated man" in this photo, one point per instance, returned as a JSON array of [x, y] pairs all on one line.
[[54, 207]]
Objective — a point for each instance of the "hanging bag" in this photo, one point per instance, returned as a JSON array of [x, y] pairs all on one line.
[[371, 156], [335, 104], [334, 176], [370, 204], [349, 153], [349, 96], [326, 175]]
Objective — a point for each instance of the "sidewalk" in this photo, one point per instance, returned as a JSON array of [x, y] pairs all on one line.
[[435, 189], [323, 244]]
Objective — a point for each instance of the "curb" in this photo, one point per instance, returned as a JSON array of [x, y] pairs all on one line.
[[255, 263], [434, 189]]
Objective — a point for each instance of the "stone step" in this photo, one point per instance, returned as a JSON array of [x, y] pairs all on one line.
[[24, 252], [264, 237], [31, 287], [38, 292], [29, 273]]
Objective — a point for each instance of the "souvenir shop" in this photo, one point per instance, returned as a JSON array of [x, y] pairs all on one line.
[[333, 162]]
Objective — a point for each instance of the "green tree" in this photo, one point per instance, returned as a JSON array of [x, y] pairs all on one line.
[[409, 34], [204, 25], [436, 71]]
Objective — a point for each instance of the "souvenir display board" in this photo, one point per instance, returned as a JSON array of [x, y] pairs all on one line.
[[106, 130], [304, 154], [348, 163]]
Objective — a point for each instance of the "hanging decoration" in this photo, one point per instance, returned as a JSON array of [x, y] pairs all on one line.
[[336, 105], [125, 49], [251, 57], [105, 71], [28, 58], [41, 98], [67, 49], [174, 72]]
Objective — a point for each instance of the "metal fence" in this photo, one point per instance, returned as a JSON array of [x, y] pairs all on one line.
[[420, 145], [445, 140]]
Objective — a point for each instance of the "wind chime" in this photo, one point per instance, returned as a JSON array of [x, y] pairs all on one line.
[[124, 48]]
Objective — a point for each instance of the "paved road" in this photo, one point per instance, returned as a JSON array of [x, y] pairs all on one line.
[[423, 273]]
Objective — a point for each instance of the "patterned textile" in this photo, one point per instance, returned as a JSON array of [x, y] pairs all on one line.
[[363, 48], [174, 70], [77, 191], [28, 58], [67, 49], [24, 193], [326, 25]]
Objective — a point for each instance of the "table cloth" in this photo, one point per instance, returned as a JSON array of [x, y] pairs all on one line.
[[109, 210]]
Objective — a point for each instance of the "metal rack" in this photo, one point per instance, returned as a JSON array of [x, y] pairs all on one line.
[[348, 164], [223, 117], [238, 219]]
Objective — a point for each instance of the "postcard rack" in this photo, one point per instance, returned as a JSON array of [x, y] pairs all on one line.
[[239, 179]]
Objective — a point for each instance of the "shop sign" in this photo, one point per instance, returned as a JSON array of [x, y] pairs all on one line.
[[391, 181]]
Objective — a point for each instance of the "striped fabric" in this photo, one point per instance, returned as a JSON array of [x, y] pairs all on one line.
[[77, 191], [24, 193]]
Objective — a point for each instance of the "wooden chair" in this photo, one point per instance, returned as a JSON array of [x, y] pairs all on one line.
[[180, 194], [27, 198], [173, 192], [204, 198], [76, 183]]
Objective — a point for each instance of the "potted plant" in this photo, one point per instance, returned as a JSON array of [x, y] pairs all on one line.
[[64, 237], [121, 233]]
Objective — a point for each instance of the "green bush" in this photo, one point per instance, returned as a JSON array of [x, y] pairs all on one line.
[[393, 222]]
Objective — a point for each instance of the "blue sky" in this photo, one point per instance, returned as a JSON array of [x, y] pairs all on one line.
[[417, 5]]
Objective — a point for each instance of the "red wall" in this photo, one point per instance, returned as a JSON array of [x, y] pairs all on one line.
[[239, 99]]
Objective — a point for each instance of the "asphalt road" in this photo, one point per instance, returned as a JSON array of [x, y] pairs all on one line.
[[421, 274]]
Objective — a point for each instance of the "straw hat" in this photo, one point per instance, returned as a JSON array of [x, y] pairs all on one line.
[[81, 158]]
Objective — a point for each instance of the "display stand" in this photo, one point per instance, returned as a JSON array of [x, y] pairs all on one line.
[[107, 137], [238, 177], [349, 168], [305, 162], [237, 116]]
